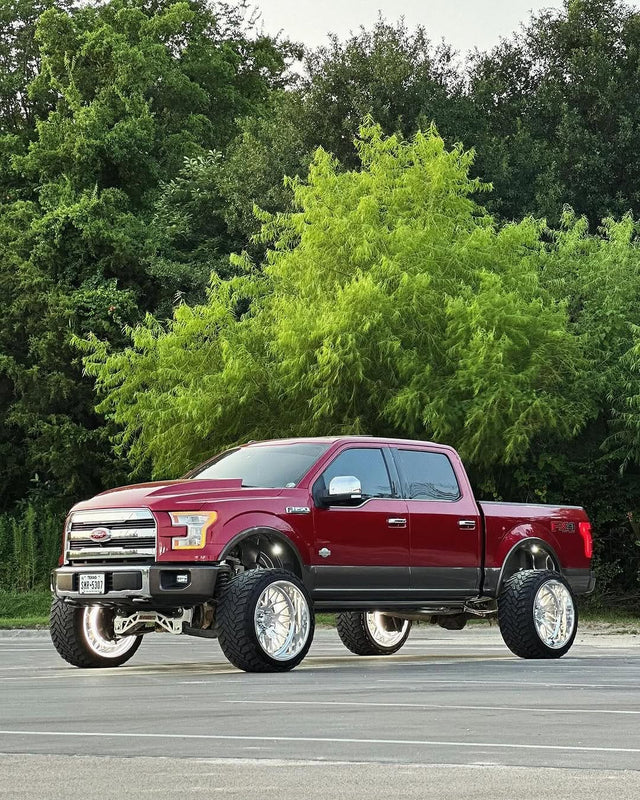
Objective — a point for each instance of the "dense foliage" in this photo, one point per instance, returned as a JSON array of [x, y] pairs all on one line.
[[387, 290], [389, 302], [120, 94]]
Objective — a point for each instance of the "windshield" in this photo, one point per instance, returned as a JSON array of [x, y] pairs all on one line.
[[275, 466]]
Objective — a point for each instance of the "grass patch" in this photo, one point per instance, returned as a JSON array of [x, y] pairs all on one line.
[[325, 620], [610, 616], [18, 623], [24, 609]]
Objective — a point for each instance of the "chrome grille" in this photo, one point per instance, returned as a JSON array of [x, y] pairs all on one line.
[[116, 541], [122, 525], [130, 534]]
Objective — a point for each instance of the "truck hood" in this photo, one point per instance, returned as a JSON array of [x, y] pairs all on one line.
[[174, 495]]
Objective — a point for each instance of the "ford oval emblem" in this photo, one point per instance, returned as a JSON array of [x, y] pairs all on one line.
[[100, 535]]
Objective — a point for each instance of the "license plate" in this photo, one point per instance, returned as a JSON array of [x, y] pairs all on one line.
[[91, 584]]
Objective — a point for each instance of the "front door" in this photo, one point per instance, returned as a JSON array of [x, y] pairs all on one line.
[[361, 551]]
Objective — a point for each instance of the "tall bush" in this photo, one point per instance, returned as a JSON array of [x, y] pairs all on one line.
[[30, 542]]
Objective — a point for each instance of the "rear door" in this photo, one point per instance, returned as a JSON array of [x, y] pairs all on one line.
[[362, 551], [446, 540]]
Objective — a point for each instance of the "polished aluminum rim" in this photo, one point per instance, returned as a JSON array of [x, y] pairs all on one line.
[[97, 626], [282, 620], [386, 631], [554, 614]]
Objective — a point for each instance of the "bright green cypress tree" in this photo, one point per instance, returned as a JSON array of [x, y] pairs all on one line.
[[389, 302]]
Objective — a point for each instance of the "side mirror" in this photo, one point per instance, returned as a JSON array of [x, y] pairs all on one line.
[[343, 489], [347, 485]]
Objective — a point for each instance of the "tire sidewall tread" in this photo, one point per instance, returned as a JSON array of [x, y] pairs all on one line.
[[67, 634], [235, 621], [354, 633], [515, 614]]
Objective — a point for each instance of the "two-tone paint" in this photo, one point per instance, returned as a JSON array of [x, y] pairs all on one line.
[[392, 551]]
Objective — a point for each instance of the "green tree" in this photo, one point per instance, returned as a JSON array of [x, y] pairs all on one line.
[[139, 89], [206, 211], [119, 95], [19, 65], [396, 75], [552, 111], [389, 302], [390, 72], [556, 115]]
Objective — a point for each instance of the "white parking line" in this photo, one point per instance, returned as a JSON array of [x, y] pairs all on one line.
[[120, 675], [524, 682], [430, 706], [321, 740], [22, 669]]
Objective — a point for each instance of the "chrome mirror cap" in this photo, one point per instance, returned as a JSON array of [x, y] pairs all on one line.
[[345, 485]]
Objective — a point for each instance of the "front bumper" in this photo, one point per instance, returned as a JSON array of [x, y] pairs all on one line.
[[152, 584]]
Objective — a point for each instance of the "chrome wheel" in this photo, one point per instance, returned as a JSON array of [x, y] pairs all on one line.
[[386, 631], [282, 620], [554, 614], [97, 629], [265, 620]]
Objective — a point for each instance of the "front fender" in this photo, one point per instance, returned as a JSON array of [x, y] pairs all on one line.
[[234, 530]]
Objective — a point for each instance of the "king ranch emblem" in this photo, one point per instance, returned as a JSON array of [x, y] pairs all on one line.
[[100, 535]]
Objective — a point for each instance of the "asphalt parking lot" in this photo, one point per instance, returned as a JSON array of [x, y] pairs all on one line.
[[452, 714]]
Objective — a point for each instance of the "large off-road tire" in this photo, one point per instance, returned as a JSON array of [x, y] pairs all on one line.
[[84, 636], [265, 621], [370, 633], [537, 614]]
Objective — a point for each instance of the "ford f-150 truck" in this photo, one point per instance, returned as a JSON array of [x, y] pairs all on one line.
[[248, 546]]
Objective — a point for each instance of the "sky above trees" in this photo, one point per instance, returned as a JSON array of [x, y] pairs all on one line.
[[465, 24]]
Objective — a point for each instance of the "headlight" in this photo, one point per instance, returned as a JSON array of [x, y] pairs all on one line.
[[197, 525]]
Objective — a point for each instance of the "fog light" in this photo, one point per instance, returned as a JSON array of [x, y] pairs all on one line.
[[182, 578]]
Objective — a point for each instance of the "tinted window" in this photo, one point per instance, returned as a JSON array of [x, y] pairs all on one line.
[[366, 464], [265, 466], [427, 476]]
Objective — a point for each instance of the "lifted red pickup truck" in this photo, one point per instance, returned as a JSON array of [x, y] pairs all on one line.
[[249, 545]]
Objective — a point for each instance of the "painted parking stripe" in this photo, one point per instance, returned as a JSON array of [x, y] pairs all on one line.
[[319, 740], [424, 706], [457, 681]]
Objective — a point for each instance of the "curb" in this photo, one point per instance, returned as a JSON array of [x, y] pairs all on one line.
[[24, 633]]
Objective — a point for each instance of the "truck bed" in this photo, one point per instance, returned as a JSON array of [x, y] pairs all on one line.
[[506, 524]]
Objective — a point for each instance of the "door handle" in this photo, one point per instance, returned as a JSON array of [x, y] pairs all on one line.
[[397, 522], [467, 524]]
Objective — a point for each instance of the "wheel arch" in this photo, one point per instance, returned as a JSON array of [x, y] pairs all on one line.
[[530, 553], [273, 536]]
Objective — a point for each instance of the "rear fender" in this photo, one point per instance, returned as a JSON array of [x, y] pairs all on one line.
[[528, 546]]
